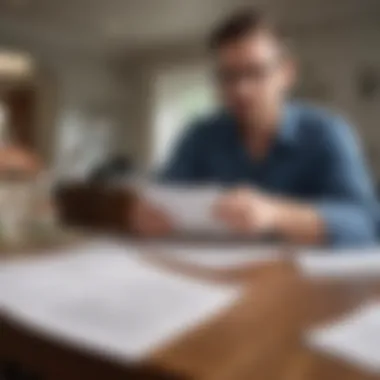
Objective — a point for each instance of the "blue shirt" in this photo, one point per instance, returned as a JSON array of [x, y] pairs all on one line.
[[315, 158]]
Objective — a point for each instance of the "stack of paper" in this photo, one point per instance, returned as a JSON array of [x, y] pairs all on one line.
[[102, 296], [190, 209], [360, 263], [355, 338]]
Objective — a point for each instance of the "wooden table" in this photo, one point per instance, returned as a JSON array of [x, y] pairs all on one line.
[[260, 337]]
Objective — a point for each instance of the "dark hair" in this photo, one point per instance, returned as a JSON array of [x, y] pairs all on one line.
[[240, 25]]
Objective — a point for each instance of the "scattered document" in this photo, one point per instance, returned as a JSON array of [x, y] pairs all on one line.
[[104, 297], [349, 263], [227, 257], [355, 338], [190, 209]]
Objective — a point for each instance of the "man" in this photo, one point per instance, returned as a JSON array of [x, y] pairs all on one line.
[[295, 171]]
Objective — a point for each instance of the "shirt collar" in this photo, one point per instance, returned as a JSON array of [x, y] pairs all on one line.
[[286, 135]]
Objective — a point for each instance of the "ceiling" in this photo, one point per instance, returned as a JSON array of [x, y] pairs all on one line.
[[128, 25]]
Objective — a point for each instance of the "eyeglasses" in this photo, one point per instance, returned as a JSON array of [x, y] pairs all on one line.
[[255, 73]]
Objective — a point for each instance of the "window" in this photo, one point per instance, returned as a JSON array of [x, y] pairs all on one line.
[[180, 95]]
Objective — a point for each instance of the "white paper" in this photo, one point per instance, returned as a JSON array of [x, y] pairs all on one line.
[[227, 257], [355, 338], [190, 209], [351, 263], [104, 297]]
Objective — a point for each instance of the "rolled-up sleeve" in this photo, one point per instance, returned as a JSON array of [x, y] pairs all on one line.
[[347, 224], [348, 205]]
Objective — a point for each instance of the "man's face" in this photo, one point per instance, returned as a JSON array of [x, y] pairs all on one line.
[[254, 76]]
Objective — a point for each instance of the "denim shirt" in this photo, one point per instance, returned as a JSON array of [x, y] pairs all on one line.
[[315, 158]]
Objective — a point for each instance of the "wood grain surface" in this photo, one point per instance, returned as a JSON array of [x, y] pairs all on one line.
[[260, 337]]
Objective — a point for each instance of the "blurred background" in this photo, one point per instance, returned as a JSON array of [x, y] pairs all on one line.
[[85, 80], [90, 88]]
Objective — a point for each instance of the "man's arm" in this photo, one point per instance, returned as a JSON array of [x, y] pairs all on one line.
[[348, 205], [345, 214], [333, 223], [250, 212]]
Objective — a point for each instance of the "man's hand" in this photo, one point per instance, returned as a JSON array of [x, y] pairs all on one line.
[[253, 213], [247, 211], [147, 221]]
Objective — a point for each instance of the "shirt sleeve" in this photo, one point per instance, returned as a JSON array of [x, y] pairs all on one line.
[[348, 206], [184, 164]]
